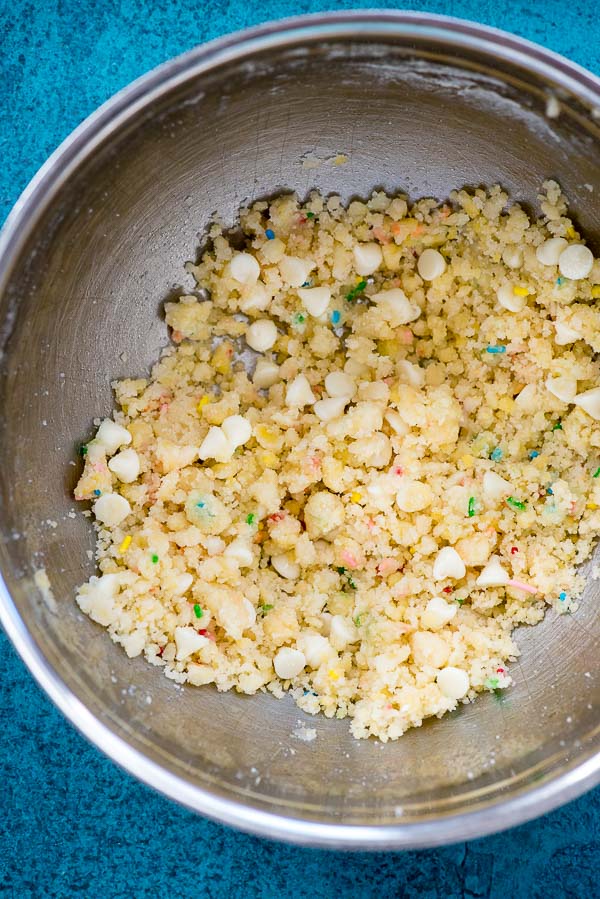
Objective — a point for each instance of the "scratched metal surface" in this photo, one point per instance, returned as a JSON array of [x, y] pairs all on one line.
[[88, 297]]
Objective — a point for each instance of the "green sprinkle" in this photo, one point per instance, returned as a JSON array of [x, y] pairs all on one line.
[[83, 450], [492, 683], [351, 296], [154, 558], [267, 607], [349, 580], [557, 426], [459, 601], [341, 570], [198, 611], [250, 519], [310, 215], [515, 503], [299, 318], [471, 506], [356, 621], [596, 473]]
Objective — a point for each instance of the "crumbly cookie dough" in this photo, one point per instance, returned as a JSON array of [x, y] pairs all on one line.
[[371, 452]]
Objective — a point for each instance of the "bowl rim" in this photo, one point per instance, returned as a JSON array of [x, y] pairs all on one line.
[[20, 223]]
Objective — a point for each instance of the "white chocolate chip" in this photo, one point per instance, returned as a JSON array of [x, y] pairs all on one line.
[[261, 335], [493, 575], [410, 373], [237, 430], [565, 334], [284, 566], [299, 393], [448, 564], [412, 496], [265, 374], [125, 465], [431, 264], [395, 306], [244, 268], [215, 446], [367, 258], [183, 583], [315, 299], [513, 257], [589, 401], [438, 613], [563, 388], [508, 299], [294, 271], [288, 663], [240, 552], [111, 436], [111, 509], [575, 262], [495, 487], [188, 641], [453, 682], [316, 648], [331, 407], [338, 383], [342, 632], [549, 252]]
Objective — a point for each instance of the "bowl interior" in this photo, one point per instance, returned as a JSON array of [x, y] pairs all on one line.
[[82, 306]]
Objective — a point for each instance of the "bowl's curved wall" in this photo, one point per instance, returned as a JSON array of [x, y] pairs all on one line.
[[81, 305]]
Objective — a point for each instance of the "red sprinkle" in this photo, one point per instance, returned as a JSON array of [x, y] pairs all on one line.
[[499, 670], [398, 470], [277, 516], [448, 589], [514, 550], [160, 651], [203, 632]]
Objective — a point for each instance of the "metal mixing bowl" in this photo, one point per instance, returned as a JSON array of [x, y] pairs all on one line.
[[92, 249]]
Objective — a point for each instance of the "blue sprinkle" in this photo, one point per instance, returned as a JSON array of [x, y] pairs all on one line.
[[533, 454], [335, 317], [550, 491], [496, 454], [269, 234], [562, 596], [306, 284], [560, 281], [200, 505], [495, 349], [97, 493]]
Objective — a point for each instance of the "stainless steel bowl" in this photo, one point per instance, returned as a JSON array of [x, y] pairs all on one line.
[[90, 252]]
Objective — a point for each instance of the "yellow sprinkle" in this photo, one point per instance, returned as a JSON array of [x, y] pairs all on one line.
[[203, 402], [521, 291], [591, 505], [355, 496], [333, 674], [125, 544], [571, 233], [467, 459], [412, 550], [596, 292]]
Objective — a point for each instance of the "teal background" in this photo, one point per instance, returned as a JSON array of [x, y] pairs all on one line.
[[73, 824]]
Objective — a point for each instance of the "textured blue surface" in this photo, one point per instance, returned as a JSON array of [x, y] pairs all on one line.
[[72, 823]]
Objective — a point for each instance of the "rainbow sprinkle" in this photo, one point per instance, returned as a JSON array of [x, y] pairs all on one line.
[[498, 348], [562, 596], [351, 296], [471, 509], [515, 503], [154, 558], [251, 518], [496, 454], [533, 454], [270, 234], [267, 607], [596, 473], [557, 427], [97, 492], [335, 317], [125, 544], [310, 215], [198, 611]]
